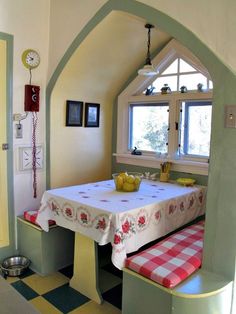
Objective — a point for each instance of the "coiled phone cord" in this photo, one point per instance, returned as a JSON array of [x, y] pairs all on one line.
[[34, 159]]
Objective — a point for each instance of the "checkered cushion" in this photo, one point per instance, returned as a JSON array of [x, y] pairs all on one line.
[[31, 216], [173, 259]]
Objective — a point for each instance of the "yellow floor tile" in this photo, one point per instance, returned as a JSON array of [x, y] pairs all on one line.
[[44, 284], [43, 306], [94, 308], [12, 279]]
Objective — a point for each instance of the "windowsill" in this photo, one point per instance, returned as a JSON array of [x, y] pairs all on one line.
[[179, 165]]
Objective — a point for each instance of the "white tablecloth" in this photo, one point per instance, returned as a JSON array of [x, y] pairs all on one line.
[[126, 220]]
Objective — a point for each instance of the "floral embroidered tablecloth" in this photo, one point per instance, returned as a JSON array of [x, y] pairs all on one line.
[[126, 220]]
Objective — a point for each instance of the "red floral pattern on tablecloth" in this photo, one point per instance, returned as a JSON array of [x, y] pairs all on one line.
[[69, 212], [201, 197], [84, 217], [126, 230], [191, 201], [101, 223], [156, 216], [172, 207], [142, 220], [181, 206], [53, 205]]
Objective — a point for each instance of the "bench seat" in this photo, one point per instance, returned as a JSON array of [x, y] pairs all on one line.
[[173, 259]]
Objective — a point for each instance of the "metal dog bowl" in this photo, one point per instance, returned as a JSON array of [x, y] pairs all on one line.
[[14, 266]]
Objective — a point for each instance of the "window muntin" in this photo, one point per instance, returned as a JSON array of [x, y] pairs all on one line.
[[149, 124], [195, 128], [180, 73]]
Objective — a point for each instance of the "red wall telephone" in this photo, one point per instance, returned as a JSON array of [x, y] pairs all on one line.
[[32, 98]]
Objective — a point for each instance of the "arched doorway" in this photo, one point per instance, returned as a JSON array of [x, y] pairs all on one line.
[[221, 197]]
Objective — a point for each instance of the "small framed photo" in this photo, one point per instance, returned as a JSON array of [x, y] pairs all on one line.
[[74, 113], [92, 114]]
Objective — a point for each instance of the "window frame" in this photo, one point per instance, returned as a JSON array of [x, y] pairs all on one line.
[[133, 93]]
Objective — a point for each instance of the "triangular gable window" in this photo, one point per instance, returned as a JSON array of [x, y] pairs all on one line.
[[180, 73]]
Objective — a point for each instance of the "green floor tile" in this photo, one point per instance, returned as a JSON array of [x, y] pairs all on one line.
[[65, 298], [24, 290]]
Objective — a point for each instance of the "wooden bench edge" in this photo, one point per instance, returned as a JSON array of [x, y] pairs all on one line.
[[200, 277]]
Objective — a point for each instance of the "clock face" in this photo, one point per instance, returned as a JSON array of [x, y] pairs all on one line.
[[25, 154], [30, 58]]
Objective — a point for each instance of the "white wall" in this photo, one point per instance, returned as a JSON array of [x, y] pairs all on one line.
[[28, 22]]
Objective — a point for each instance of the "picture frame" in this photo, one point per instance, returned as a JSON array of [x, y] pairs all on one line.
[[92, 115], [74, 113]]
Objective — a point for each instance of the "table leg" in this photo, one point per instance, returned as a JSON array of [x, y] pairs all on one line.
[[85, 277]]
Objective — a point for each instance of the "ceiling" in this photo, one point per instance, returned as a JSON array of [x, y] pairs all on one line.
[[113, 51]]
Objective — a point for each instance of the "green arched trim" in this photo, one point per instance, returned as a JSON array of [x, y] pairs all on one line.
[[222, 151], [9, 250], [153, 16]]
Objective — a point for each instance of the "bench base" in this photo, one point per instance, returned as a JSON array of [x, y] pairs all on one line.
[[47, 251], [203, 292]]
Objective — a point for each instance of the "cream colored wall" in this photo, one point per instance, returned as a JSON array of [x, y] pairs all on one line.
[[28, 22], [213, 21], [94, 74], [80, 154], [67, 19]]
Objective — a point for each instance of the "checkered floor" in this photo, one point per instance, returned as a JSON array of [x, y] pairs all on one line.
[[53, 295]]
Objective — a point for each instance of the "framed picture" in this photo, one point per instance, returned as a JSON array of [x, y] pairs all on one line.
[[92, 113], [74, 113]]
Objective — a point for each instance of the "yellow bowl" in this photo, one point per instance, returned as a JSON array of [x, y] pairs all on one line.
[[186, 181], [127, 181]]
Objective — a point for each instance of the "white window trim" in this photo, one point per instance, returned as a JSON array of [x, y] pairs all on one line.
[[133, 94]]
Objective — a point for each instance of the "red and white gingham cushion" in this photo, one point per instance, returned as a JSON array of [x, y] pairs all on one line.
[[31, 216], [173, 259]]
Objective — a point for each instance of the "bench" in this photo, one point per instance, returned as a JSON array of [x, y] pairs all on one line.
[[173, 259], [165, 279], [47, 251]]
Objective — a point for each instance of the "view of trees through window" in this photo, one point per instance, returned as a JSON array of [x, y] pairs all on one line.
[[149, 127], [195, 128]]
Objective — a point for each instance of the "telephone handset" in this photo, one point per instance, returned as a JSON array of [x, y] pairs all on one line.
[[32, 98]]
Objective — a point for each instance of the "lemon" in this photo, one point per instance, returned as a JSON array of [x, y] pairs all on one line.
[[137, 181], [124, 175], [130, 179], [119, 182], [128, 187]]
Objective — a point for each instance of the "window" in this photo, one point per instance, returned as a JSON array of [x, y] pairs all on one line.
[[180, 73], [149, 124], [195, 128], [174, 126]]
